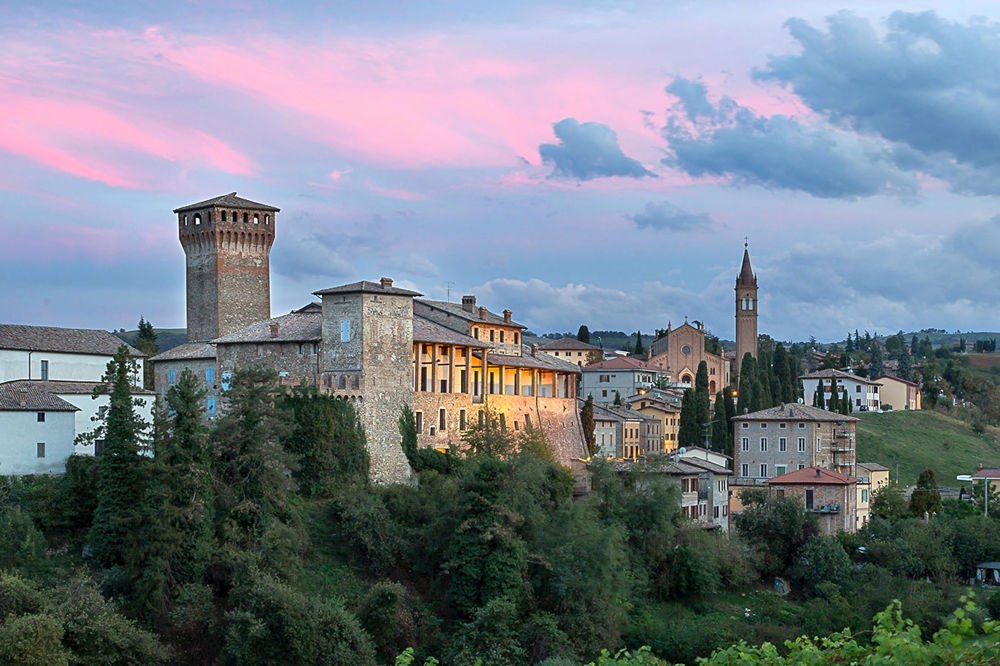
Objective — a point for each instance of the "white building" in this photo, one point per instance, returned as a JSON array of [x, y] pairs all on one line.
[[863, 393], [58, 369], [621, 375]]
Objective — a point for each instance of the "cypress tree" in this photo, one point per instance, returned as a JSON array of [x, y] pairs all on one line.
[[834, 405], [587, 421], [702, 398], [583, 334], [638, 349], [720, 423], [688, 431], [820, 397], [748, 376], [118, 517], [730, 415]]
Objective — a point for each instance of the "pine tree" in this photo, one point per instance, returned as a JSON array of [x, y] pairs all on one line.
[[118, 517], [145, 342], [587, 421]]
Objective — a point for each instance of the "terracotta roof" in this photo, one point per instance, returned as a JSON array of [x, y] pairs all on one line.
[[443, 313], [63, 340], [794, 412], [187, 351], [228, 201], [366, 287], [704, 464], [746, 276], [425, 330], [986, 473], [621, 363], [813, 476], [25, 396], [898, 379], [569, 343], [292, 327], [661, 465], [839, 374], [69, 388]]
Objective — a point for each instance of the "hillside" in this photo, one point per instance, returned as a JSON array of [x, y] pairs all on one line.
[[914, 441]]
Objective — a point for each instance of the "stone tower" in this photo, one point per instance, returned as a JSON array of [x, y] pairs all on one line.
[[368, 359], [227, 241], [746, 313]]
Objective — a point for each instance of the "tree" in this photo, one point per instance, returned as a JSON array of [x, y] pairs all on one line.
[[776, 527], [702, 398], [638, 349], [849, 347], [118, 517], [876, 366], [887, 502], [618, 399], [926, 498], [587, 421], [819, 397], [834, 404], [750, 385], [720, 424], [145, 342], [689, 429], [583, 335]]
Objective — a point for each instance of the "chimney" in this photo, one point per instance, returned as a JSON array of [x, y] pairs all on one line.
[[469, 303], [534, 349], [817, 472], [385, 282], [482, 313], [274, 329], [506, 315]]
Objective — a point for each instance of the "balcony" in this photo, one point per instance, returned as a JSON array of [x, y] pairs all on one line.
[[825, 508]]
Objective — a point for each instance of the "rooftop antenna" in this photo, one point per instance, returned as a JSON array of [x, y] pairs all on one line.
[[448, 286]]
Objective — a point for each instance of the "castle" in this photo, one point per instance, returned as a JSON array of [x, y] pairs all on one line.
[[373, 343]]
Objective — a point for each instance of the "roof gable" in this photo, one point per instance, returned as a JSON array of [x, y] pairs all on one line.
[[227, 201]]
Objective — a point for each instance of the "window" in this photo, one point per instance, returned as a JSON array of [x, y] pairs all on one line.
[[40, 450], [745, 424], [782, 426], [763, 426], [819, 444], [256, 219], [210, 405], [802, 445], [715, 512], [171, 376], [223, 216], [763, 469], [315, 348], [604, 393], [782, 444], [45, 370], [98, 447], [857, 389], [345, 330], [763, 444], [744, 469], [301, 348], [342, 381], [461, 419], [809, 499], [492, 335], [780, 469], [41, 417], [864, 495], [419, 416], [517, 337], [745, 444], [209, 375], [801, 426], [475, 332], [501, 336], [226, 376], [603, 379], [801, 466], [442, 419]]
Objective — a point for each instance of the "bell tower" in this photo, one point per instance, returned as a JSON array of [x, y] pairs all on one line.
[[227, 241], [746, 312]]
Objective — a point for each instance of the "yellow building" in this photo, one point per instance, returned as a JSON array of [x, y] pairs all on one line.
[[900, 393]]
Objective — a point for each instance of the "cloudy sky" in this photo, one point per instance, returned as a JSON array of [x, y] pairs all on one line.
[[577, 162]]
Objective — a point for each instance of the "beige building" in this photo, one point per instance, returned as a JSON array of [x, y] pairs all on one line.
[[573, 350], [899, 393], [871, 477]]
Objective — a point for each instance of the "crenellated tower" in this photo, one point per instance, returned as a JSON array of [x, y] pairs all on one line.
[[746, 313], [227, 241]]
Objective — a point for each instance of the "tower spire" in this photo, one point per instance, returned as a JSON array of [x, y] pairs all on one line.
[[746, 310]]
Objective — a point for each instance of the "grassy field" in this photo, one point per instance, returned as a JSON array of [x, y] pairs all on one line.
[[913, 441]]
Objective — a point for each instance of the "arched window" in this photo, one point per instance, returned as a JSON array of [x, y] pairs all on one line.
[[256, 219], [267, 220], [185, 220], [197, 220], [246, 217], [223, 216]]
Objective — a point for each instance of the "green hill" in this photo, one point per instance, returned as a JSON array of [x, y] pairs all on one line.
[[914, 441]]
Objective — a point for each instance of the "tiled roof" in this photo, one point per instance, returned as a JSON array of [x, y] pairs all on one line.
[[228, 201], [705, 465], [897, 379], [292, 327], [620, 363], [792, 412], [839, 374], [986, 473], [25, 396], [63, 340], [872, 467], [746, 276], [425, 330], [813, 476], [444, 313], [541, 361], [187, 351], [701, 453], [68, 388], [366, 287], [661, 465], [568, 343]]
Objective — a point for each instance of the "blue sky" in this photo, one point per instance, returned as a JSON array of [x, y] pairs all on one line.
[[592, 163]]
